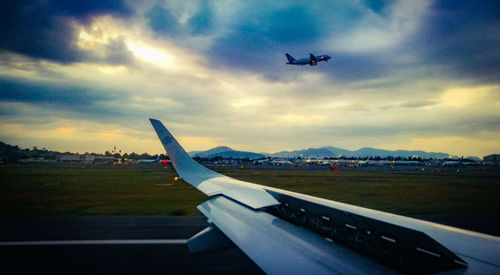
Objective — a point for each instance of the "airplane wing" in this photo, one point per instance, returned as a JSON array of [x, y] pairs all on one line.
[[285, 232]]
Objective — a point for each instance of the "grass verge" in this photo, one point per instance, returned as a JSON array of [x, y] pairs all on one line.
[[135, 190]]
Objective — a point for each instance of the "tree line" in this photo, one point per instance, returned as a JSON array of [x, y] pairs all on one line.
[[13, 153]]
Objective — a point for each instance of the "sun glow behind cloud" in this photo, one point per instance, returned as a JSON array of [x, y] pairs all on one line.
[[150, 54]]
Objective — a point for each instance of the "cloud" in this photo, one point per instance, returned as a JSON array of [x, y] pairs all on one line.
[[480, 145], [382, 31], [44, 29], [262, 36], [57, 94], [59, 99], [203, 21], [418, 103], [162, 21], [461, 37], [116, 52]]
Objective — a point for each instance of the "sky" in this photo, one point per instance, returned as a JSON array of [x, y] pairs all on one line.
[[85, 76]]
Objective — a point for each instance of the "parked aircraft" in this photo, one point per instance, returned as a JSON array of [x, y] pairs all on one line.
[[454, 163], [312, 60], [149, 161], [285, 232], [282, 162]]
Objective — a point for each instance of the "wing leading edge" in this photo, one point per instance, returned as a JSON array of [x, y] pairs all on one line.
[[324, 236]]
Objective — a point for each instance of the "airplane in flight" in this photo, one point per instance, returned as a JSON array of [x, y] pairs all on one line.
[[312, 60], [285, 232]]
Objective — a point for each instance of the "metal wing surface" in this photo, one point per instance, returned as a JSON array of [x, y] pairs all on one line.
[[285, 232]]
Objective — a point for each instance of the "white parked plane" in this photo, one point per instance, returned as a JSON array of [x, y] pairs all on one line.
[[312, 60], [285, 232]]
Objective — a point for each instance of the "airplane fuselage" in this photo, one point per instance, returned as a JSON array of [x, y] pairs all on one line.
[[312, 60]]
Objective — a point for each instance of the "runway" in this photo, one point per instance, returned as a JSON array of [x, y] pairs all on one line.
[[136, 244], [116, 244]]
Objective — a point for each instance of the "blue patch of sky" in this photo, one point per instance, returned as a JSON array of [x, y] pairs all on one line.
[[162, 21], [378, 6], [202, 22]]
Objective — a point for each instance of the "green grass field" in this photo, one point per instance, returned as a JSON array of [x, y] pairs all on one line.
[[121, 190], [106, 190]]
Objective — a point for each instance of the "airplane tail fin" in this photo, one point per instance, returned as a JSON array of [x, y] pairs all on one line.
[[290, 58]]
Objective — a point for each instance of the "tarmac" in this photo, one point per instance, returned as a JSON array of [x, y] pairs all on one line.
[[112, 245], [138, 244]]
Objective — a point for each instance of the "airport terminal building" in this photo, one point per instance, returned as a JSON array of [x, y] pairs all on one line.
[[492, 159]]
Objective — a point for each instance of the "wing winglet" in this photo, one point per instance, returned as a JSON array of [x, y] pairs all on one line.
[[188, 169]]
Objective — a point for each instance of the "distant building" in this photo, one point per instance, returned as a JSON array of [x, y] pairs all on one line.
[[70, 158], [492, 159], [36, 160], [103, 160]]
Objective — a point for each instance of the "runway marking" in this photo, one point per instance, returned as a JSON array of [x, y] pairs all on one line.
[[93, 242]]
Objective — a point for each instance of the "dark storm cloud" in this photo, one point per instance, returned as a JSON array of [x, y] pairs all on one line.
[[42, 29], [59, 96], [463, 35]]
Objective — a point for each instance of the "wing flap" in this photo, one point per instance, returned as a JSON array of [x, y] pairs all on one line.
[[279, 247], [402, 248], [463, 243]]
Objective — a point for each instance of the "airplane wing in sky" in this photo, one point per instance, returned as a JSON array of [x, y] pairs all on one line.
[[285, 232]]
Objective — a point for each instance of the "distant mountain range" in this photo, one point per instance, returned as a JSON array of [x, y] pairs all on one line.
[[226, 152], [328, 151]]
